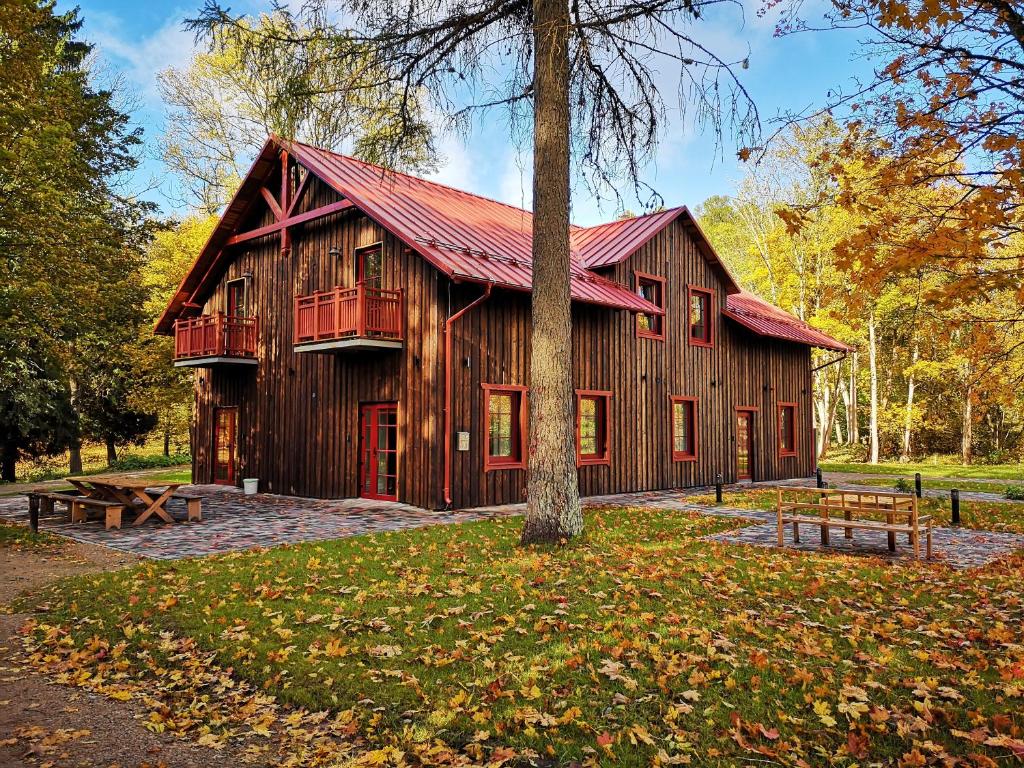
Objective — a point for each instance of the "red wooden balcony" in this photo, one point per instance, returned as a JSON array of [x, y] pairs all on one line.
[[357, 318], [209, 340]]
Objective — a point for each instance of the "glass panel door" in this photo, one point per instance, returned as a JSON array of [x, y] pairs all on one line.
[[225, 452], [744, 444], [379, 452]]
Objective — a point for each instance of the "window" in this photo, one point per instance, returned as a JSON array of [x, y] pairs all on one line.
[[684, 429], [699, 311], [787, 429], [505, 425], [592, 407], [370, 265], [236, 298], [651, 288]]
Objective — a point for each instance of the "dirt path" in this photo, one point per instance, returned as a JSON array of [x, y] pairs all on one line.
[[43, 724]]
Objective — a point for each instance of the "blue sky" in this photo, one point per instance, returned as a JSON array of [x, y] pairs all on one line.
[[137, 39]]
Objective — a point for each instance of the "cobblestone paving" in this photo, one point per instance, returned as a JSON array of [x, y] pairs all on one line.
[[233, 521], [959, 548]]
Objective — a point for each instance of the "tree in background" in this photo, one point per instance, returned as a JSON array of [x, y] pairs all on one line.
[[580, 79], [64, 227], [944, 111], [255, 82]]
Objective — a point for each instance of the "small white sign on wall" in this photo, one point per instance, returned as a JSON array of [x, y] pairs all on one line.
[[462, 441]]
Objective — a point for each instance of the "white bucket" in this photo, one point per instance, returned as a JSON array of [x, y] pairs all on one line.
[[251, 486]]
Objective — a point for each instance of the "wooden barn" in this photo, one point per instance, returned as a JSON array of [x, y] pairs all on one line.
[[363, 333]]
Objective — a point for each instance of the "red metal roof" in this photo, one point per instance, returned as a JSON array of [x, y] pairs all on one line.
[[766, 319], [466, 236]]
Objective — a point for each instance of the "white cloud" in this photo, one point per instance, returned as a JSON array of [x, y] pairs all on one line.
[[141, 58]]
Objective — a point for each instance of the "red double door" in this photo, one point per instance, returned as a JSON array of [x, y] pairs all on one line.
[[378, 454]]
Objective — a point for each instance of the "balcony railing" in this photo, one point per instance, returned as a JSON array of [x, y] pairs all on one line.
[[215, 336], [355, 314]]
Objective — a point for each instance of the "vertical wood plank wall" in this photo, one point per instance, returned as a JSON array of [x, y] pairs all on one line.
[[299, 412]]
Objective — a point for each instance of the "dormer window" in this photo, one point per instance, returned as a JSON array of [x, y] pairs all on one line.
[[652, 289], [370, 265]]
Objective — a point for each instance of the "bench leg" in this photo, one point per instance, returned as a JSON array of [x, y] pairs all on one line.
[[78, 514], [33, 513], [917, 545], [796, 533], [824, 535], [849, 531], [928, 544], [195, 510], [45, 506], [114, 517]]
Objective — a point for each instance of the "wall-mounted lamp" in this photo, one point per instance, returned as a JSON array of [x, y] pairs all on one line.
[[333, 251], [247, 275]]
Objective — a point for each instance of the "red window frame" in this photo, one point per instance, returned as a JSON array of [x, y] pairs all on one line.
[[518, 459], [708, 339], [236, 297], [602, 399], [792, 409], [361, 264], [691, 404], [657, 329]]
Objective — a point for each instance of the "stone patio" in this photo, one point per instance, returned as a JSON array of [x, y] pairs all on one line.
[[233, 521]]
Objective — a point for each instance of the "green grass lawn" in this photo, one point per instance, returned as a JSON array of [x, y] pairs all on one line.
[[1010, 472], [944, 485], [94, 461], [641, 644], [19, 536]]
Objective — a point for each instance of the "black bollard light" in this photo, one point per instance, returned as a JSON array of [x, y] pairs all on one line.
[[817, 474], [954, 498], [718, 488], [917, 484], [824, 483]]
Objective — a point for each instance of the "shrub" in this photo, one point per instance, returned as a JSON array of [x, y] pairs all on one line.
[[903, 485], [151, 462], [1015, 492]]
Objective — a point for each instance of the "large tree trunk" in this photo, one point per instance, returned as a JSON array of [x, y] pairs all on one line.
[[75, 449], [908, 416], [553, 500], [873, 372], [8, 462], [111, 451], [853, 426], [967, 428]]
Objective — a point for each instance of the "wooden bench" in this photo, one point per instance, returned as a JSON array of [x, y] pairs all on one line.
[[836, 509], [112, 511], [193, 503], [46, 499]]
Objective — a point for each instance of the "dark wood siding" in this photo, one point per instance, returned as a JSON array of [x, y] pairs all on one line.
[[299, 412], [741, 369]]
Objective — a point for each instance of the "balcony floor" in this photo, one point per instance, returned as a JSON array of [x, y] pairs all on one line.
[[352, 343], [210, 361]]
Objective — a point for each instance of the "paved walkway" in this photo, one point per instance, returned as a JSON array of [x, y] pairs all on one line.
[[233, 521]]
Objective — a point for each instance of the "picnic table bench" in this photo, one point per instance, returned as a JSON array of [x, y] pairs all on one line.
[[112, 495], [836, 508]]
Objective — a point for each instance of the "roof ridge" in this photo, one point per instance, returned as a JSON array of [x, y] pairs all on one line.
[[633, 218], [414, 178]]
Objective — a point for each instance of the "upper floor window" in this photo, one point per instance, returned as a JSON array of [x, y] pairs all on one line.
[[592, 408], [236, 300], [651, 288], [699, 318], [684, 429], [787, 429], [370, 265], [505, 425]]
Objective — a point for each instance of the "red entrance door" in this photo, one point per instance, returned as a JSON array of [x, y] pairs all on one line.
[[378, 472], [225, 445], [744, 444]]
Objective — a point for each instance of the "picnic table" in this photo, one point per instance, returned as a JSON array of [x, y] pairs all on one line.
[[129, 491]]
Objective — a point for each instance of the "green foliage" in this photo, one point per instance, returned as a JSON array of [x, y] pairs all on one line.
[[152, 461], [903, 485], [1015, 492]]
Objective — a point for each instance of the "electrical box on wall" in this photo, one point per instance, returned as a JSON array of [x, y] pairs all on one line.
[[462, 441]]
